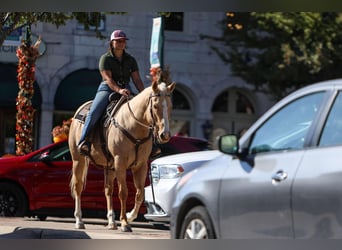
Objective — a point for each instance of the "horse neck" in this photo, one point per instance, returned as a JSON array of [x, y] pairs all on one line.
[[139, 106]]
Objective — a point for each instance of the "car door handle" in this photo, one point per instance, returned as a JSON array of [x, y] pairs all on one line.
[[279, 176]]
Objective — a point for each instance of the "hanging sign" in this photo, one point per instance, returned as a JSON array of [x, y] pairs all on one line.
[[8, 49], [157, 39]]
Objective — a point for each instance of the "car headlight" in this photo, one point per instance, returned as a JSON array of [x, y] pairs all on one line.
[[166, 171]]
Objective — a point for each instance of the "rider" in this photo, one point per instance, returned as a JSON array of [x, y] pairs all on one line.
[[116, 68]]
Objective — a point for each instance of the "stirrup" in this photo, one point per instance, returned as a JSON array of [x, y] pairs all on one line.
[[84, 148]]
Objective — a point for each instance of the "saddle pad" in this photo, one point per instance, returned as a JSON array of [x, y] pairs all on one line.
[[83, 111]]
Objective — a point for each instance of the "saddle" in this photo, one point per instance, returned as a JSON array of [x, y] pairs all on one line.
[[115, 102]]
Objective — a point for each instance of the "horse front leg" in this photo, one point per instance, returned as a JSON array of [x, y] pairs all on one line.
[[139, 178], [76, 186], [79, 224], [123, 193], [108, 183]]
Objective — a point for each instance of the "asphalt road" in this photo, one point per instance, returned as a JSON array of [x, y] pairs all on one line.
[[64, 228]]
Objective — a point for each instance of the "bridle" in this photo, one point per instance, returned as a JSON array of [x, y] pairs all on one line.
[[151, 127]]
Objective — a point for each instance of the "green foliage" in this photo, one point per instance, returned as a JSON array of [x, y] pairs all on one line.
[[279, 52], [10, 21]]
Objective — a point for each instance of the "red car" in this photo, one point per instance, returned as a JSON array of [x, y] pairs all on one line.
[[37, 184]]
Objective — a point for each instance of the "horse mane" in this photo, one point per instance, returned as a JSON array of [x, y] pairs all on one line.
[[161, 88]]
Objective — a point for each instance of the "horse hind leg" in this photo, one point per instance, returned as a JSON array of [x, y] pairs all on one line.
[[79, 172]]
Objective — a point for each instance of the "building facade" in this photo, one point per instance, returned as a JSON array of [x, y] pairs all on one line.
[[208, 100]]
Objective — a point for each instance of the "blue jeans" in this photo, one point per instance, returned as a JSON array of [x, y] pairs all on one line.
[[97, 109]]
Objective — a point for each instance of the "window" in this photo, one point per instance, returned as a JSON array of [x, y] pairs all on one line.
[[57, 153], [332, 132], [179, 101], [243, 105], [174, 22], [221, 103], [287, 129], [91, 18]]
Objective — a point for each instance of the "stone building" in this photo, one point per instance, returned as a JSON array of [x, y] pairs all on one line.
[[208, 100]]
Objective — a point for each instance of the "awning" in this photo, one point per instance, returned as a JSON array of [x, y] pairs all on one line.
[[76, 89], [9, 87]]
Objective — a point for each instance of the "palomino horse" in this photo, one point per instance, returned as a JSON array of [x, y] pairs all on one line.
[[128, 139]]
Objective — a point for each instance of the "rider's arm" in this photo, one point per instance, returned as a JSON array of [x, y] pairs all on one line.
[[137, 81], [107, 77]]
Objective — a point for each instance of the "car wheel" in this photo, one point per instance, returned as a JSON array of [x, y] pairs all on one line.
[[13, 201], [197, 225]]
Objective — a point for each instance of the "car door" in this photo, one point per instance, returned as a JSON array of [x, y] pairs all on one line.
[[255, 198], [51, 180], [317, 189]]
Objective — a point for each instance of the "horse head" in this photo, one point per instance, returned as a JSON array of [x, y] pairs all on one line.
[[161, 106]]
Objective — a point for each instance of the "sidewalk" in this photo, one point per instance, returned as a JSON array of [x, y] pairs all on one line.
[[63, 228]]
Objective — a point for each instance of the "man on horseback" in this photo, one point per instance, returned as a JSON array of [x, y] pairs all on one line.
[[116, 68]]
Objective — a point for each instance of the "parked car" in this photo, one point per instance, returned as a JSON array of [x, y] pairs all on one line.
[[165, 172], [37, 184], [281, 179]]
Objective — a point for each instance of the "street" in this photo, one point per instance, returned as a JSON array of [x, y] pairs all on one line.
[[63, 228]]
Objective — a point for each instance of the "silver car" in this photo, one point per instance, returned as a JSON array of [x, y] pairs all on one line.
[[165, 172], [281, 179]]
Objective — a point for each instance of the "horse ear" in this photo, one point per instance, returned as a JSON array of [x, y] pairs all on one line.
[[155, 86], [171, 87]]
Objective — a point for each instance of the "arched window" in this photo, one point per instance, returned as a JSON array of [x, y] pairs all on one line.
[[182, 113], [233, 112], [179, 101], [232, 101], [221, 103], [242, 104]]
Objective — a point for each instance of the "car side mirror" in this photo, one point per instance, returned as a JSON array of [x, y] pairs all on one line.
[[228, 144], [45, 157]]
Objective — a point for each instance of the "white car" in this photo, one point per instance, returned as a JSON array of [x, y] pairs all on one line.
[[166, 171]]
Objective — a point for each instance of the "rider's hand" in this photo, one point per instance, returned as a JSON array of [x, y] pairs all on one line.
[[124, 92]]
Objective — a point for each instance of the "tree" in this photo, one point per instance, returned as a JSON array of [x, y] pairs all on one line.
[[279, 52], [10, 21]]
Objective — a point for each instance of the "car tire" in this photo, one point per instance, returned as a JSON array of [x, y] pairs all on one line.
[[197, 225], [13, 201]]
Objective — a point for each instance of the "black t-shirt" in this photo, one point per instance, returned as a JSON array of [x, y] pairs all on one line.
[[121, 71]]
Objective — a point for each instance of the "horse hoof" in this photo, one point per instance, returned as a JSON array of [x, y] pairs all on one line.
[[130, 217], [112, 227], [126, 228], [79, 226]]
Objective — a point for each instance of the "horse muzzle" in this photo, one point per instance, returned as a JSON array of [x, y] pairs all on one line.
[[164, 137]]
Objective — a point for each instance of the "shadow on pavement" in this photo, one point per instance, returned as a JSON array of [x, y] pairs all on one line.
[[38, 233], [134, 224]]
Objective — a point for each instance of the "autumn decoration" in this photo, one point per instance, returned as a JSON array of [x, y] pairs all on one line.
[[27, 55], [61, 132]]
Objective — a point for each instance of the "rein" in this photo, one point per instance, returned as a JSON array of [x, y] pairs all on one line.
[[136, 142]]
